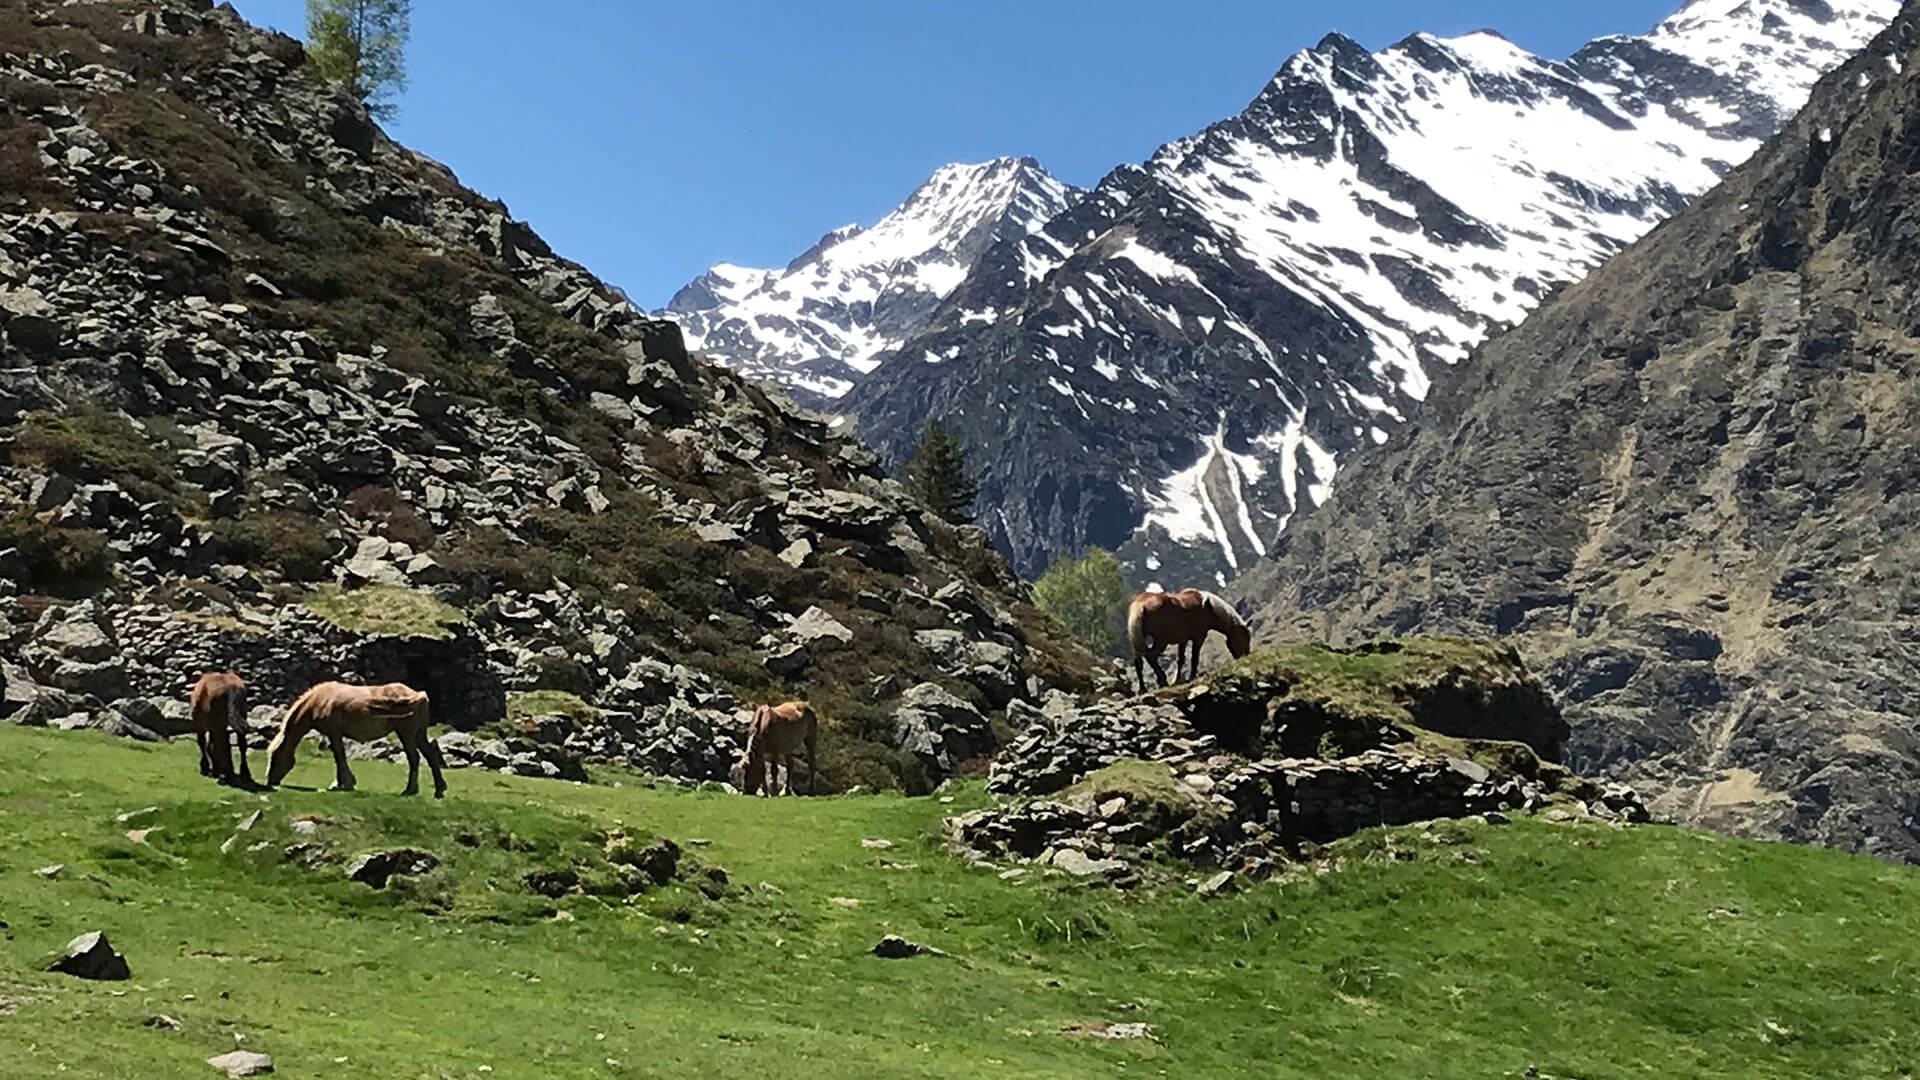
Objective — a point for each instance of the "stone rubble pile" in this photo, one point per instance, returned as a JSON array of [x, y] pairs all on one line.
[[1249, 816]]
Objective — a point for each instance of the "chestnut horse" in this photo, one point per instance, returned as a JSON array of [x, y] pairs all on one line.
[[1156, 620], [218, 703], [361, 713], [776, 733]]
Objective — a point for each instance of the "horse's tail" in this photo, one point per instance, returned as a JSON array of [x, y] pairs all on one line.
[[1137, 624], [757, 727], [237, 710]]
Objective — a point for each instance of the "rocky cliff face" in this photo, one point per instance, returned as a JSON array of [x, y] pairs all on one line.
[[276, 391], [1178, 364], [1688, 489], [821, 323]]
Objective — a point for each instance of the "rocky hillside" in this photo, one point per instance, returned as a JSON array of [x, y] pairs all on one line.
[[1180, 363], [1688, 490], [820, 323], [281, 394]]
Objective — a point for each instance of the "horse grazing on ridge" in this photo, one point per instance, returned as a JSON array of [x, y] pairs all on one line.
[[361, 713], [218, 703], [1183, 620], [775, 734]]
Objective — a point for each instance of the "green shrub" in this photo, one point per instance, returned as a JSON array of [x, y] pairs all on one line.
[[55, 557], [1086, 594], [293, 544], [97, 445]]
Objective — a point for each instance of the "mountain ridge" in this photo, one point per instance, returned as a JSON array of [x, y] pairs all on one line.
[[815, 324], [1291, 277]]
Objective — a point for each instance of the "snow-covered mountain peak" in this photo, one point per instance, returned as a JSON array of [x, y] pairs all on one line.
[[1178, 363], [859, 291]]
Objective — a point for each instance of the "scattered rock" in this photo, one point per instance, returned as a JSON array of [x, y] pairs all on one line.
[[375, 867], [242, 1063], [895, 947], [553, 884], [1221, 882], [162, 1022], [1101, 1029], [89, 956]]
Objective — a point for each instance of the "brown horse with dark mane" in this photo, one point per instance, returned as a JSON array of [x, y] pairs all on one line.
[[776, 733], [218, 703], [1183, 620], [361, 713]]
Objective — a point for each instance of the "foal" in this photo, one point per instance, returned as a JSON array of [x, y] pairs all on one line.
[[219, 705], [361, 713], [776, 733]]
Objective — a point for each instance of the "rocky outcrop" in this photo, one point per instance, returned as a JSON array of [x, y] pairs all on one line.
[[1685, 490], [1255, 762]]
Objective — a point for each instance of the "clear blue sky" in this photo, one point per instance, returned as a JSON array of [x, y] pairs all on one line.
[[649, 140]]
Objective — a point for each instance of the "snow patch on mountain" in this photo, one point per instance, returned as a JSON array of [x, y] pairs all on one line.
[[821, 322]]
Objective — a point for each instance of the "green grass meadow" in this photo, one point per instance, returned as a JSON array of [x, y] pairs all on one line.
[[1458, 950]]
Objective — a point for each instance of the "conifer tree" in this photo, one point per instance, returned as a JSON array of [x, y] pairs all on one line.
[[937, 473]]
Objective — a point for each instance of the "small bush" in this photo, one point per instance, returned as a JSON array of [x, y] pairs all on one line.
[[523, 707], [98, 445], [293, 544], [397, 518], [54, 557]]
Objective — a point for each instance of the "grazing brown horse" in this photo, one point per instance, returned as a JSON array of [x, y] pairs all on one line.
[[775, 735], [363, 714], [219, 705], [1156, 620]]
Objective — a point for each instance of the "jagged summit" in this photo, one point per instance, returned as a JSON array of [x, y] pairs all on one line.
[[1204, 337], [818, 324]]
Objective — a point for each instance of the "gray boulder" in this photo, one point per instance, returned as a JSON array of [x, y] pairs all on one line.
[[816, 628], [939, 729], [90, 956]]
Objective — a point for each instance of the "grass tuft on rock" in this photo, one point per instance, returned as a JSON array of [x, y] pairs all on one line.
[[387, 610]]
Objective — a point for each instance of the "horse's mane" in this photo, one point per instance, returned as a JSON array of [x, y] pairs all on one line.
[[1221, 608]]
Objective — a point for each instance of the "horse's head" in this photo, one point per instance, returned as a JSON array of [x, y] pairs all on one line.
[[1239, 640], [280, 757]]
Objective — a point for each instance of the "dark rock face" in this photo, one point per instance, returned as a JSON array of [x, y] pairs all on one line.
[[1176, 365], [1686, 490]]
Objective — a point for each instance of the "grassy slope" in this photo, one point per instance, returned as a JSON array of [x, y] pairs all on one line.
[[1582, 950]]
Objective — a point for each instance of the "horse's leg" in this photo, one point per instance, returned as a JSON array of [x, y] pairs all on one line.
[[342, 776], [1153, 658], [435, 762], [813, 763], [240, 740], [410, 742], [220, 750], [202, 736], [1139, 674]]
